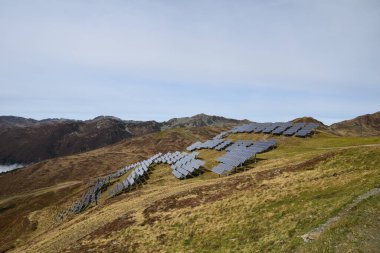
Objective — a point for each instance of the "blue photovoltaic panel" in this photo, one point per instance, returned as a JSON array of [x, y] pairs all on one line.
[[177, 174], [282, 128], [239, 154], [271, 127], [307, 130], [294, 129]]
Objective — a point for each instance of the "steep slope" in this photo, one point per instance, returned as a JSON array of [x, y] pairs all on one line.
[[51, 138], [265, 208], [26, 141], [89, 165], [60, 181], [365, 125]]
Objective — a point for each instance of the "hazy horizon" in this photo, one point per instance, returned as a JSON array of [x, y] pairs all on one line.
[[155, 60]]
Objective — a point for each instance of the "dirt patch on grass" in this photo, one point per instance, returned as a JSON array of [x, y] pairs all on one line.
[[215, 192], [116, 225], [88, 243]]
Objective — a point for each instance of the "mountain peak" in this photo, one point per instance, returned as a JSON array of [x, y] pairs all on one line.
[[307, 119], [365, 125], [200, 120]]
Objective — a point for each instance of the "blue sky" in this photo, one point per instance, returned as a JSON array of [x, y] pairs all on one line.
[[262, 60]]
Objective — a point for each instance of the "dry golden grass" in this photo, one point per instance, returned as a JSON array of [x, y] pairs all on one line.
[[264, 209]]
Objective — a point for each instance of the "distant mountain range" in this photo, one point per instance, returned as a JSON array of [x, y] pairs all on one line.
[[27, 140]]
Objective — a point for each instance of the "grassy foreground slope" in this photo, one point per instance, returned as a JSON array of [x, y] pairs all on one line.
[[42, 189], [264, 208]]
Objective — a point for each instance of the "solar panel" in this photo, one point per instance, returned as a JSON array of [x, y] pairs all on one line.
[[222, 168], [261, 127], [271, 127], [280, 129], [223, 145], [307, 130], [292, 130], [247, 128], [125, 183], [190, 169], [221, 135], [177, 174], [238, 154]]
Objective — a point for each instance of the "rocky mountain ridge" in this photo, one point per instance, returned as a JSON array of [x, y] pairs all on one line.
[[28, 140], [25, 140]]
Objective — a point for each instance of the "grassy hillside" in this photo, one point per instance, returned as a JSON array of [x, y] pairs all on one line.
[[38, 187], [265, 207]]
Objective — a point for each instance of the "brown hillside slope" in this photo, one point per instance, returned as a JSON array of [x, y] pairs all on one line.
[[89, 165], [266, 208], [365, 125], [60, 181], [26, 140]]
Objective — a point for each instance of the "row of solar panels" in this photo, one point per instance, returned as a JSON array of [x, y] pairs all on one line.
[[284, 128], [209, 144], [187, 166], [218, 144], [307, 130], [138, 175], [221, 135], [94, 192], [183, 166], [223, 145], [170, 158], [238, 153]]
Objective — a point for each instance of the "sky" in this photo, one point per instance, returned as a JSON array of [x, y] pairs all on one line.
[[154, 60]]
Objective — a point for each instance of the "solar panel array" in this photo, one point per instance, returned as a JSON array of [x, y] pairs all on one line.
[[186, 166], [183, 165], [247, 128], [172, 158], [223, 145], [100, 185], [194, 146], [285, 128], [138, 175], [269, 129], [239, 153], [261, 126], [263, 146], [221, 135], [293, 129], [209, 144], [239, 143], [307, 130], [91, 196]]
